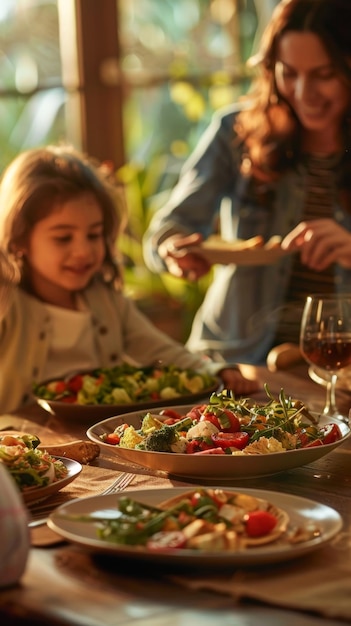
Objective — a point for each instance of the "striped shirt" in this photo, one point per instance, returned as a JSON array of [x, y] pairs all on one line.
[[320, 197]]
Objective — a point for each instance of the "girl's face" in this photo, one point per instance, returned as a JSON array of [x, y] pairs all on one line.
[[65, 250], [307, 79]]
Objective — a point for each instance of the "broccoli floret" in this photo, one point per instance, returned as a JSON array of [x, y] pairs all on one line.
[[162, 440]]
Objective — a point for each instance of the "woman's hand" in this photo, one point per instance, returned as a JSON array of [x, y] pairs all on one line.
[[233, 379], [180, 261], [320, 242]]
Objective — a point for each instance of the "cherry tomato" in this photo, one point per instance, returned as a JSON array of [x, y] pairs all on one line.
[[331, 433], [198, 445], [154, 395], [230, 440], [196, 412], [57, 386], [75, 383], [210, 417], [218, 495], [167, 540], [314, 443], [170, 421], [112, 438], [192, 447], [229, 423], [171, 413], [306, 435], [259, 523], [69, 399], [196, 498]]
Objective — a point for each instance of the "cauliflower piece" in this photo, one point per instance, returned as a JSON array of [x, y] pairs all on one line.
[[120, 396], [264, 445], [168, 392], [130, 438], [179, 445], [202, 429]]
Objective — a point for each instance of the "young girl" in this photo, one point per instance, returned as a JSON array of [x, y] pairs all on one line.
[[60, 216]]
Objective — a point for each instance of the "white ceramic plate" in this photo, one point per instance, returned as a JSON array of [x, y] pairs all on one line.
[[210, 466], [300, 511], [319, 376], [41, 493]]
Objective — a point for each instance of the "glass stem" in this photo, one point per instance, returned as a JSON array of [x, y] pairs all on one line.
[[330, 403]]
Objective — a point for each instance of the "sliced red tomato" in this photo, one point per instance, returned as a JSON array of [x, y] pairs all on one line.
[[57, 386], [330, 433], [231, 440], [75, 383], [229, 422], [154, 395], [314, 443], [210, 417], [196, 412], [69, 399], [112, 438], [167, 540], [306, 435], [259, 523], [171, 413], [211, 451], [198, 445]]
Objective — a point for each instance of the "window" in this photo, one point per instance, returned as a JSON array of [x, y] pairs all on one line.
[[133, 82]]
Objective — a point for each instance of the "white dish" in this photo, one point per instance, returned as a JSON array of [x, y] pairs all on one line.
[[33, 495], [319, 376], [211, 466], [300, 510]]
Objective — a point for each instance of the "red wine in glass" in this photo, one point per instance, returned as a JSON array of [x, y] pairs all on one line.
[[330, 354], [325, 340]]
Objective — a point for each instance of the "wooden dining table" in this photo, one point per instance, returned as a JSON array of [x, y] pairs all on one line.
[[65, 584]]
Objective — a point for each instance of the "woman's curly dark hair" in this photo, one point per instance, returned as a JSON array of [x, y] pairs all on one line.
[[268, 129]]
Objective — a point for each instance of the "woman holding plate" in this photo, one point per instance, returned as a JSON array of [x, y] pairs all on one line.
[[278, 163]]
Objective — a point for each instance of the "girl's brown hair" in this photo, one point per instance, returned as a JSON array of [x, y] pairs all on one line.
[[268, 129], [40, 178]]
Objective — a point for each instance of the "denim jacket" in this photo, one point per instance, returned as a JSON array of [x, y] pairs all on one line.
[[238, 317]]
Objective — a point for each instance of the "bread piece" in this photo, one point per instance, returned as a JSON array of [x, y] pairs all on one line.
[[284, 356], [82, 451]]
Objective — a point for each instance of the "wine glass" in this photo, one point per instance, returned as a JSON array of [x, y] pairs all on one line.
[[325, 340]]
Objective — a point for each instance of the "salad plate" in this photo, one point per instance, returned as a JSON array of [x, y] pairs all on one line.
[[36, 494], [97, 406], [209, 466], [302, 512], [29, 463]]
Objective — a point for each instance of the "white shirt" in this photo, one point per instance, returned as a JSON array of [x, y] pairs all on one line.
[[72, 347]]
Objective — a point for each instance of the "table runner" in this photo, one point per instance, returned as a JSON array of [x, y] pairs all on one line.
[[319, 582]]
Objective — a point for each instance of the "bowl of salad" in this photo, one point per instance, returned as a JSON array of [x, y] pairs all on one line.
[[36, 473], [105, 392], [223, 437]]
